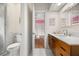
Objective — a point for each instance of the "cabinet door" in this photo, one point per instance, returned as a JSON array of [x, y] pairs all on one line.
[[49, 41], [53, 43], [65, 47], [62, 53], [56, 50], [61, 49]]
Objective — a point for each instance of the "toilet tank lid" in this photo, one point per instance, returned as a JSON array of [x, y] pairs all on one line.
[[13, 45]]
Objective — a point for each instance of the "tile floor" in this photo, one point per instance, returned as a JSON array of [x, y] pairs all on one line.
[[49, 52], [41, 52]]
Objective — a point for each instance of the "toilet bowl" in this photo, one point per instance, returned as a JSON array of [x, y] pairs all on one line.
[[14, 49]]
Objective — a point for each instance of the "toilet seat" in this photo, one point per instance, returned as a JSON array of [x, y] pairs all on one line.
[[12, 46], [14, 49]]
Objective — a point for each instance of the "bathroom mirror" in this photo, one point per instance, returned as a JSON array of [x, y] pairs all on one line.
[[2, 28]]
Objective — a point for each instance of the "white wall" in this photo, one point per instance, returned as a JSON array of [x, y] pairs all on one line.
[[26, 29], [13, 13], [50, 15], [48, 27], [12, 21], [73, 29]]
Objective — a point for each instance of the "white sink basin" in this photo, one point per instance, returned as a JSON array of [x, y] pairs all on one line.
[[72, 37], [72, 40]]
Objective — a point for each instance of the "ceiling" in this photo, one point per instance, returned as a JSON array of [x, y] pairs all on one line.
[[56, 7], [42, 6], [76, 7], [48, 6]]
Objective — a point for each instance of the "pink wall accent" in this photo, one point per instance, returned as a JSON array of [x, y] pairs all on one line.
[[40, 21], [75, 19]]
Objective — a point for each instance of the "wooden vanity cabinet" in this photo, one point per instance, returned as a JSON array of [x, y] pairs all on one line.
[[51, 43], [60, 48]]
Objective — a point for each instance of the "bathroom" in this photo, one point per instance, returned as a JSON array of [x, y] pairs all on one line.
[[25, 27]]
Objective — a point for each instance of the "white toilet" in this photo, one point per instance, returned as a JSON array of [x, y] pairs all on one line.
[[14, 49]]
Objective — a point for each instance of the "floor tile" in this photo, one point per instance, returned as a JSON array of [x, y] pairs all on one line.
[[41, 52]]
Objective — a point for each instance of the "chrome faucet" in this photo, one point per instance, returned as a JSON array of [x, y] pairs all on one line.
[[66, 32]]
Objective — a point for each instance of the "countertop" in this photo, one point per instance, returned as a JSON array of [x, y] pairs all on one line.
[[71, 40]]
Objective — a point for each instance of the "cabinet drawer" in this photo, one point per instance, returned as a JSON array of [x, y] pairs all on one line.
[[65, 47], [63, 53], [60, 52]]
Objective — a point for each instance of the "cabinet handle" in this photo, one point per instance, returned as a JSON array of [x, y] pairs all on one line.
[[62, 48], [61, 54]]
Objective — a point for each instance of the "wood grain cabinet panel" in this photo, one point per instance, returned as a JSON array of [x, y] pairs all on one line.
[[60, 48], [65, 47], [62, 53]]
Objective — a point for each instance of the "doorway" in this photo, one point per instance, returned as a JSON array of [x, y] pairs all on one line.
[[40, 29], [39, 41]]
